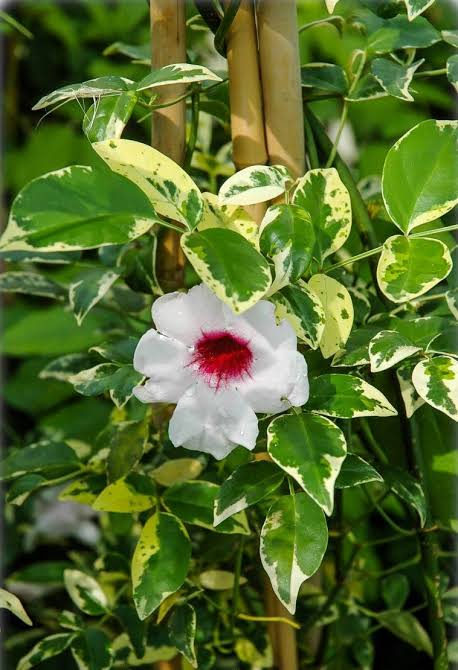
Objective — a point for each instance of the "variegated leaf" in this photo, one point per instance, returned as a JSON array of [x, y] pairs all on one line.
[[294, 538], [177, 471], [412, 401], [346, 397], [302, 308], [416, 7], [389, 347], [428, 185], [77, 208], [409, 267], [251, 185], [338, 310], [394, 78], [177, 73], [311, 449], [228, 217], [452, 71], [133, 493], [92, 650], [287, 237], [194, 502], [84, 491], [50, 646], [246, 486], [355, 471], [85, 592], [446, 342], [107, 118], [160, 562], [88, 288], [12, 603], [30, 283], [168, 187], [93, 88], [322, 193], [436, 381], [217, 256], [182, 630], [356, 350], [452, 301]]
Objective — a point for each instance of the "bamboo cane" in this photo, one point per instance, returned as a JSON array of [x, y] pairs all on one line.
[[168, 37], [281, 83]]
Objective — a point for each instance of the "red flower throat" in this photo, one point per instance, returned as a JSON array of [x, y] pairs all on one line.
[[222, 357]]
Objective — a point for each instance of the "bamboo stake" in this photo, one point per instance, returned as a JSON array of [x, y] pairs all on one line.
[[168, 37], [281, 83], [284, 129]]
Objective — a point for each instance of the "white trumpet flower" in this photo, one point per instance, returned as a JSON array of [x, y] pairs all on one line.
[[219, 368]]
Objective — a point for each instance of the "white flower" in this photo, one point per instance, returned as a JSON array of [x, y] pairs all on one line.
[[220, 368]]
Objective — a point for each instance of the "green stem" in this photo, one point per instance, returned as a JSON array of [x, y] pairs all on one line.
[[431, 73], [384, 515], [372, 442], [342, 122], [7, 18], [436, 231], [236, 588], [226, 22], [429, 548], [354, 259], [319, 96], [195, 109], [312, 153], [329, 19]]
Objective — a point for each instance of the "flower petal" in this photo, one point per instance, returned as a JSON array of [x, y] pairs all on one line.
[[163, 360], [273, 381], [184, 316], [259, 326], [300, 393], [213, 421]]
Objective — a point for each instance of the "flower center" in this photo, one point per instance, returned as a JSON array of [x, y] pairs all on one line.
[[222, 357]]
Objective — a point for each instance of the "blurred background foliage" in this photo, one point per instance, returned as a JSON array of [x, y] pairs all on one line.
[[73, 41]]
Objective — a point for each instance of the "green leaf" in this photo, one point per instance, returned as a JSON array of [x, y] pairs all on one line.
[[107, 118], [254, 184], [355, 471], [182, 631], [322, 193], [324, 76], [217, 256], [70, 620], [452, 302], [436, 381], [51, 332], [414, 191], [410, 397], [406, 487], [338, 310], [88, 288], [50, 646], [395, 589], [85, 490], [30, 283], [77, 208], [452, 71], [107, 376], [194, 503], [92, 650], [130, 494], [93, 88], [20, 490], [395, 79], [346, 397], [445, 342], [287, 237], [451, 37], [228, 217], [177, 470], [54, 459], [168, 187], [311, 449], [416, 7], [410, 267], [294, 538], [178, 73], [302, 308], [160, 563], [405, 626], [12, 603], [400, 33], [219, 580], [118, 351], [127, 442], [246, 486], [43, 572], [389, 347], [137, 52], [367, 88], [65, 367], [135, 629], [356, 350], [85, 592]]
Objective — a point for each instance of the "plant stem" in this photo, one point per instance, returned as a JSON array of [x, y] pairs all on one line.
[[429, 548], [354, 259], [311, 146], [195, 108], [372, 442], [436, 231], [342, 122], [329, 19], [269, 619], [431, 73], [236, 588]]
